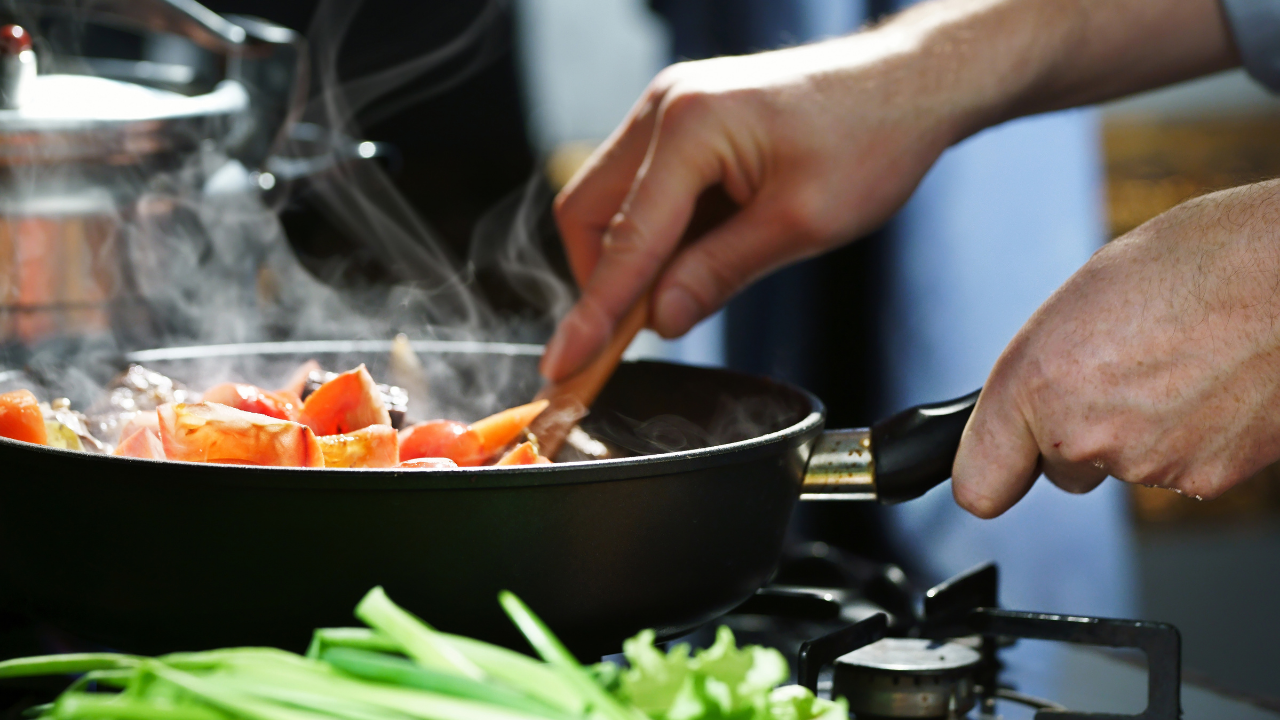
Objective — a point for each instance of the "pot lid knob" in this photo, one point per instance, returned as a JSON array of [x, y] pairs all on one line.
[[14, 39], [17, 64]]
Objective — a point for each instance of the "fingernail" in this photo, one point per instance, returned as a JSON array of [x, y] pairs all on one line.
[[675, 312]]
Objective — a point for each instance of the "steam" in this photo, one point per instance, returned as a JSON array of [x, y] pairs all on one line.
[[208, 263]]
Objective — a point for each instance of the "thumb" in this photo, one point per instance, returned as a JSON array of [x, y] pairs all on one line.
[[998, 460]]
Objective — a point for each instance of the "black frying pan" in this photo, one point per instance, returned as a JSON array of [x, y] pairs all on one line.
[[152, 556]]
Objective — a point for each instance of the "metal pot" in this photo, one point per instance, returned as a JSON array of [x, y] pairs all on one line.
[[103, 179]]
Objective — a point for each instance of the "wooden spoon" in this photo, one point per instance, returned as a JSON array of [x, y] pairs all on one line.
[[571, 398]]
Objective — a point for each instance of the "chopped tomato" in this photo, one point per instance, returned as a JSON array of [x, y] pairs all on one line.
[[282, 404], [297, 382], [523, 454], [429, 464], [139, 420], [348, 402], [499, 430], [209, 432], [376, 446], [442, 439], [143, 443], [21, 419]]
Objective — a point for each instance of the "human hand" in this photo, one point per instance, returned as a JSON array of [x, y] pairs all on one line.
[[1157, 363], [816, 145]]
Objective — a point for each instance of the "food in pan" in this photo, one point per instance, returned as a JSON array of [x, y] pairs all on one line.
[[319, 419], [400, 668]]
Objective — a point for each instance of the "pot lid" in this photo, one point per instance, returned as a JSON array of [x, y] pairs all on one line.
[[79, 118], [62, 103]]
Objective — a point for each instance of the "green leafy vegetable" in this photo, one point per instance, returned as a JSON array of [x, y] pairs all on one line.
[[722, 682], [400, 668]]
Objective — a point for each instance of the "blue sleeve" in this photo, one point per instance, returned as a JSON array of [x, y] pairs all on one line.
[[1255, 24]]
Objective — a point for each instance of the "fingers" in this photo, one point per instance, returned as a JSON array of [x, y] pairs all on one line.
[[1078, 477], [1000, 457], [587, 204], [998, 460], [635, 245], [704, 276]]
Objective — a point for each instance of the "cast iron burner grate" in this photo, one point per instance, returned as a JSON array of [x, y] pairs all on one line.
[[942, 662]]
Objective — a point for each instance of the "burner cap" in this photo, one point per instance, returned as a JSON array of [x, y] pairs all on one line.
[[907, 678]]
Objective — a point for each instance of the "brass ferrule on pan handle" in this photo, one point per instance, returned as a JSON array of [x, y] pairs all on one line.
[[897, 459], [841, 467]]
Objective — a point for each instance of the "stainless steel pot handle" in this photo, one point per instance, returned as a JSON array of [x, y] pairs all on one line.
[[187, 18], [897, 459], [269, 60]]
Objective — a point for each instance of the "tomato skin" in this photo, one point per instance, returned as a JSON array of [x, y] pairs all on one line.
[[209, 432], [21, 419], [347, 403], [142, 443], [280, 404], [428, 464], [442, 439], [376, 446]]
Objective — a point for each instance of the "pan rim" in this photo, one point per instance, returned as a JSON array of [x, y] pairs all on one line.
[[472, 478]]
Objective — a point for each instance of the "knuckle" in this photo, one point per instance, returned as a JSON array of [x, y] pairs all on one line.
[[1207, 483], [801, 216], [715, 277], [666, 79], [628, 240], [685, 107]]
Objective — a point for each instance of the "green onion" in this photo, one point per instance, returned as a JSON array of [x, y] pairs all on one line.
[[338, 690], [358, 638], [547, 645], [394, 671], [518, 670], [419, 640], [70, 664], [73, 705]]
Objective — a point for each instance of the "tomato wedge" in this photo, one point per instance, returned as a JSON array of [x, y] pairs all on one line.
[[297, 382], [209, 432], [376, 446], [428, 464], [141, 419], [143, 443], [442, 439], [523, 454], [347, 403], [500, 429], [21, 419], [281, 404]]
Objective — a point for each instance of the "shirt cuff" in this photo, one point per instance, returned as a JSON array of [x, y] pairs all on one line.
[[1255, 24]]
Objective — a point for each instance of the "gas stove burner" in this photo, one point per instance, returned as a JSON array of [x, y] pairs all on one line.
[[907, 678], [943, 662]]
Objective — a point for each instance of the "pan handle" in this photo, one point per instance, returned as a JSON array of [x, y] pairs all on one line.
[[897, 459]]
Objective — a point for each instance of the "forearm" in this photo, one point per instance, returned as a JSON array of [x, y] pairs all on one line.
[[994, 60]]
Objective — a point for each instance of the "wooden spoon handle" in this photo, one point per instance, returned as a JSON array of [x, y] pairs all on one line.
[[571, 398]]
